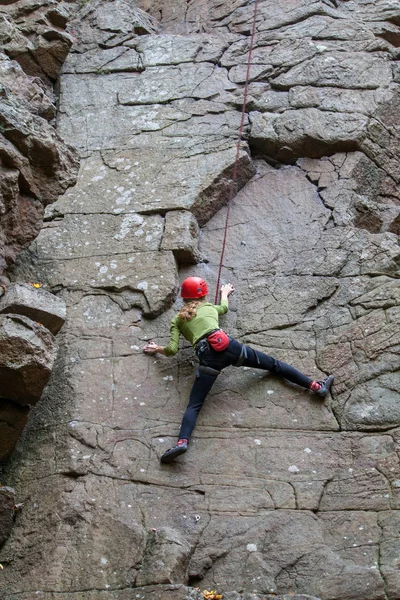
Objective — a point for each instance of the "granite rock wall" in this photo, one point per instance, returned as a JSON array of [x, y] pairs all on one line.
[[36, 166], [280, 495]]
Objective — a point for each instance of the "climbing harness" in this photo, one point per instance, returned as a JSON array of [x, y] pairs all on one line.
[[242, 357], [234, 174], [208, 370]]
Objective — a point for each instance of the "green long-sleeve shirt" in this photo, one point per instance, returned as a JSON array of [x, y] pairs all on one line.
[[205, 321]]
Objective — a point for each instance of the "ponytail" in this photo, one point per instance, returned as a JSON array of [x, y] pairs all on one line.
[[189, 309]]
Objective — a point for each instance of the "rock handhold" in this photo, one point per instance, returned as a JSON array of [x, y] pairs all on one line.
[[35, 303]]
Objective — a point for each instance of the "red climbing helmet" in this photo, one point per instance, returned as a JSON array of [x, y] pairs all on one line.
[[194, 287]]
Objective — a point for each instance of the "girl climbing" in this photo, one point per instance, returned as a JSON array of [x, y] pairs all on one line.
[[197, 321]]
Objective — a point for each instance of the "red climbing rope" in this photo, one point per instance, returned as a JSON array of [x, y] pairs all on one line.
[[234, 174]]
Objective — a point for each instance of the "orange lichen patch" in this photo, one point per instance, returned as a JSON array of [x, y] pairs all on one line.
[[36, 285]]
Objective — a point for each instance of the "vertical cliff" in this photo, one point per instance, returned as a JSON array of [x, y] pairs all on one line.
[[36, 166], [279, 494]]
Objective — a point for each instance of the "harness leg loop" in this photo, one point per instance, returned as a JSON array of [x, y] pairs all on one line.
[[242, 357], [208, 370]]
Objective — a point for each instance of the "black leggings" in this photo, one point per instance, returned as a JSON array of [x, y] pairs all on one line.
[[218, 361]]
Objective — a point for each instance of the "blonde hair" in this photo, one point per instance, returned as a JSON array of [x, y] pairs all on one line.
[[189, 309]]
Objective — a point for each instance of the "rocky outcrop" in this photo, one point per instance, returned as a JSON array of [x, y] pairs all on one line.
[[279, 495], [27, 353], [35, 303], [37, 166]]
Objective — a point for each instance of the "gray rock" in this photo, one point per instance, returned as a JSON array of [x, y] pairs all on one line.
[[389, 523], [135, 276], [37, 304], [281, 494], [27, 354], [7, 501], [309, 132], [106, 25], [38, 165], [181, 235], [72, 237], [355, 70], [333, 99], [13, 418], [174, 50], [35, 37], [166, 558], [29, 90], [163, 84]]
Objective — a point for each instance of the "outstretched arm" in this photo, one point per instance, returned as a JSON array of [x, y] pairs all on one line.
[[171, 349]]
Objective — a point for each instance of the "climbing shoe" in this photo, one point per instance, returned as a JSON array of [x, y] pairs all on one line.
[[321, 388], [173, 453]]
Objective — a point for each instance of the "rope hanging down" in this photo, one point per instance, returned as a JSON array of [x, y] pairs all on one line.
[[234, 174]]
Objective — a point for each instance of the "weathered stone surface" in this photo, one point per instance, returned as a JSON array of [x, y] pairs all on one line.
[[166, 559], [107, 25], [13, 418], [355, 70], [289, 539], [29, 90], [35, 163], [332, 99], [366, 358], [7, 501], [34, 35], [181, 235], [280, 495], [309, 132], [37, 304], [36, 166], [75, 235], [164, 592], [134, 277], [27, 354], [389, 552], [139, 181]]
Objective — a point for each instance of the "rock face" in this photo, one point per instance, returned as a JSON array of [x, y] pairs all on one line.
[[7, 501], [27, 354], [24, 299], [279, 495], [36, 165]]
